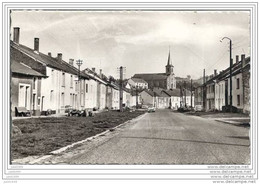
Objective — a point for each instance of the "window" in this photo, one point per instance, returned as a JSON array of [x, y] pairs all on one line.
[[62, 99], [51, 96], [71, 81], [34, 83], [77, 86], [52, 76], [238, 100], [238, 83], [39, 101], [86, 88], [63, 80]]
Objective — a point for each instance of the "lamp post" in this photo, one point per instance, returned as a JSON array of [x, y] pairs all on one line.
[[79, 63], [230, 70]]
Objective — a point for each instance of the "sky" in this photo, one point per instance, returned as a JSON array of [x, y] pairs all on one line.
[[138, 40]]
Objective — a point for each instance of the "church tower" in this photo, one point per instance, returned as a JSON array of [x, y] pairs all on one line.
[[169, 66]]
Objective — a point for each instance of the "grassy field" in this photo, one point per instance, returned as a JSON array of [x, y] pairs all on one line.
[[43, 135]]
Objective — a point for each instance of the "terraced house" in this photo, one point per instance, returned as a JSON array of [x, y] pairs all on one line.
[[217, 88], [60, 85]]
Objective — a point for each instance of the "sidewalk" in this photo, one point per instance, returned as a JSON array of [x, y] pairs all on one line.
[[237, 119]]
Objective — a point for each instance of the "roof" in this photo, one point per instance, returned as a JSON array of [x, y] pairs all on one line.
[[173, 92], [151, 76], [150, 92], [139, 80], [17, 67], [236, 69], [159, 92], [48, 60]]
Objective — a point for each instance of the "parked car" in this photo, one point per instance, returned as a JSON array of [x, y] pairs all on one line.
[[198, 108], [68, 108], [75, 112], [151, 109]]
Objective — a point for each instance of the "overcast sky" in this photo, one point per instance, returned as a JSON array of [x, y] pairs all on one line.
[[138, 40]]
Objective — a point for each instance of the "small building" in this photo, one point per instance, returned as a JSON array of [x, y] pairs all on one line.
[[148, 97], [175, 99], [25, 88], [136, 82], [162, 98]]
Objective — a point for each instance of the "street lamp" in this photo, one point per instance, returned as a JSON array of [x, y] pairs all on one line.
[[230, 70], [79, 63]]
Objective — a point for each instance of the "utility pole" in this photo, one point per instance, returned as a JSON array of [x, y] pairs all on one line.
[[185, 93], [230, 71], [181, 96], [79, 63], [191, 92], [203, 90], [121, 89]]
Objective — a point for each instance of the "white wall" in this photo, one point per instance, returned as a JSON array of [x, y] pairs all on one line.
[[219, 95], [91, 96]]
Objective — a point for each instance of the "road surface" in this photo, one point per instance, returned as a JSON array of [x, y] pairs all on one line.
[[165, 137]]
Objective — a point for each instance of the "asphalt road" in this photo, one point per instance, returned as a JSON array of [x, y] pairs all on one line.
[[165, 137]]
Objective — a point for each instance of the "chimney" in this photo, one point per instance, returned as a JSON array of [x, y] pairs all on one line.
[[93, 69], [100, 72], [71, 62], [59, 56], [49, 54], [243, 59], [36, 44], [215, 72], [16, 35], [237, 58]]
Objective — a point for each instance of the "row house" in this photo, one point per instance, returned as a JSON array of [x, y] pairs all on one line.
[[96, 86], [216, 94], [55, 91]]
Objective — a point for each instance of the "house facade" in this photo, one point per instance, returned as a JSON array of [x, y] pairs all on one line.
[[218, 88], [25, 88], [136, 82]]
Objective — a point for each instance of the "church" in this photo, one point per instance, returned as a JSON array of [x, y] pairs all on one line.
[[162, 80]]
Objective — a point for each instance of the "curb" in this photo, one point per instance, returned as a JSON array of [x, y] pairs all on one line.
[[55, 152], [233, 123]]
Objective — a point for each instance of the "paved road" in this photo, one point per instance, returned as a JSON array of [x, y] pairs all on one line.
[[165, 137]]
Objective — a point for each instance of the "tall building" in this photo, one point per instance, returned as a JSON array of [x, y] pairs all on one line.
[[163, 80]]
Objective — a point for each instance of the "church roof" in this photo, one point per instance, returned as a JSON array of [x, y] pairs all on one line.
[[138, 80], [151, 76], [169, 59]]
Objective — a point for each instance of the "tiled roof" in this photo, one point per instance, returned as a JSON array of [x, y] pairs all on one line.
[[139, 80], [173, 92], [17, 67], [151, 76], [48, 60], [159, 92]]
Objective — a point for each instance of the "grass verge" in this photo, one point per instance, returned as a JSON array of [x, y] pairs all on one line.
[[43, 135]]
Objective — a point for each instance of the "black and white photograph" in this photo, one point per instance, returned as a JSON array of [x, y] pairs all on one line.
[[132, 87]]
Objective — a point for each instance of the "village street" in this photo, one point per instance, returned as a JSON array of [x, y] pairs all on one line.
[[165, 137]]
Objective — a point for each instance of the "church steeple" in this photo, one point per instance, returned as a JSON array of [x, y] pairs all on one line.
[[169, 66], [169, 58]]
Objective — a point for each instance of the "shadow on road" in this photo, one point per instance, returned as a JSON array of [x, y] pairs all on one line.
[[239, 137], [155, 138]]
